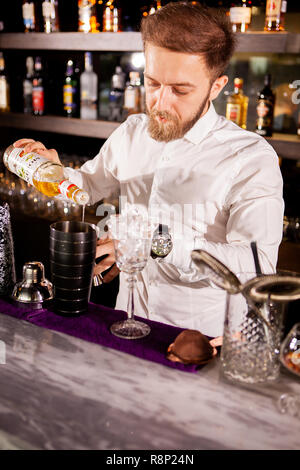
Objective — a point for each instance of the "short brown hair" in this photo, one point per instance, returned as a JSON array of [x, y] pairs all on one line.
[[194, 29]]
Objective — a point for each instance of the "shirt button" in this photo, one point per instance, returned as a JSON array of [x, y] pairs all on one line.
[[151, 312]]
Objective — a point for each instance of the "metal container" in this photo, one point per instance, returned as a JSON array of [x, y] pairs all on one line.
[[34, 289]]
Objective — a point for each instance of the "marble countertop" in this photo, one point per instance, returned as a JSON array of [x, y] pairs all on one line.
[[59, 392]]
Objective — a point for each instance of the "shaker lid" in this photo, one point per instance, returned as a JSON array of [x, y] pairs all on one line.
[[34, 272]]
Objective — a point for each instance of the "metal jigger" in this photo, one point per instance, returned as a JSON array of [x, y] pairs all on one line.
[[34, 289]]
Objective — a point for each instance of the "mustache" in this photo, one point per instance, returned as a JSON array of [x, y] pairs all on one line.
[[163, 115]]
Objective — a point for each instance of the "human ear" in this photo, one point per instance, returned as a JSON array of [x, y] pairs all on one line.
[[218, 86]]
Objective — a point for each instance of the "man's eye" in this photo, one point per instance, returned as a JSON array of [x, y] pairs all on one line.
[[153, 85], [178, 92]]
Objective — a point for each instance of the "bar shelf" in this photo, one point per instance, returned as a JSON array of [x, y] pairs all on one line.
[[252, 41], [286, 145]]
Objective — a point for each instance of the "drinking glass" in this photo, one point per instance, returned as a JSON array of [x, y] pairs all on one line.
[[132, 236], [290, 350], [250, 351]]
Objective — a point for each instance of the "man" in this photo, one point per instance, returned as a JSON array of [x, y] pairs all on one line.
[[216, 186]]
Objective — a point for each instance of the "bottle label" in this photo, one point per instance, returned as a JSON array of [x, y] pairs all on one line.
[[233, 112], [38, 99], [283, 6], [240, 15], [48, 10], [27, 87], [84, 14], [65, 188], [3, 94], [264, 111], [23, 164], [28, 13], [130, 98], [69, 92], [273, 10]]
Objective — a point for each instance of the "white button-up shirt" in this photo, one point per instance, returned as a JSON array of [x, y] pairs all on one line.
[[218, 188]]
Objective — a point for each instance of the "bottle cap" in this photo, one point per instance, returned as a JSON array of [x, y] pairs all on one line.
[[238, 82]]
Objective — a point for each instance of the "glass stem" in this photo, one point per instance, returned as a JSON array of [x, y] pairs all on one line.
[[131, 280]]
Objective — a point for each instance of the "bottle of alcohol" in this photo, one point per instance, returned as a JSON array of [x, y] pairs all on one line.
[[27, 86], [111, 17], [237, 104], [240, 16], [275, 13], [38, 91], [151, 8], [116, 95], [265, 109], [50, 16], [132, 96], [4, 87], [46, 176], [88, 90], [87, 16], [29, 15], [71, 91], [298, 127]]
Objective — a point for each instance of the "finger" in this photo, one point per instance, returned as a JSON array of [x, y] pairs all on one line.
[[34, 146], [103, 266], [21, 142], [104, 240], [111, 274], [102, 250], [49, 154]]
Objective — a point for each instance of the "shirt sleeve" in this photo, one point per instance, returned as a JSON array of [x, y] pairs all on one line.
[[255, 213], [99, 176]]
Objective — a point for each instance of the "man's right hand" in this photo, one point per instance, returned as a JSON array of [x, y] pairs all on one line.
[[31, 145]]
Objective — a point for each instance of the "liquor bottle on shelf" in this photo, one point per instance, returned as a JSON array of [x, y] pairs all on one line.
[[275, 14], [240, 16], [237, 104], [116, 95], [87, 16], [27, 86], [88, 90], [151, 8], [29, 16], [38, 90], [111, 17], [298, 126], [132, 96], [46, 176], [71, 91], [50, 16], [4, 87], [265, 109]]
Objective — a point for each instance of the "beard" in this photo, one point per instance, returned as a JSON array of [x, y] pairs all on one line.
[[172, 128]]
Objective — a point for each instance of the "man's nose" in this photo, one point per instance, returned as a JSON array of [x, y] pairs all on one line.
[[163, 99]]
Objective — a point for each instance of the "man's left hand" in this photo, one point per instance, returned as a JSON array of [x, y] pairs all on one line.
[[105, 246]]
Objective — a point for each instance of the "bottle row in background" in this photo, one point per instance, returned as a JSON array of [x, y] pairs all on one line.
[[237, 107], [110, 15], [241, 15], [80, 91], [93, 15]]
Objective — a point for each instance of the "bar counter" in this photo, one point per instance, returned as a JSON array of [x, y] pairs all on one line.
[[60, 392]]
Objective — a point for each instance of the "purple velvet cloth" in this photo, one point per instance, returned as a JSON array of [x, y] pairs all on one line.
[[94, 327]]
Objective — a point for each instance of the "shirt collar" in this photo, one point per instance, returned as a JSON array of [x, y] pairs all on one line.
[[203, 126]]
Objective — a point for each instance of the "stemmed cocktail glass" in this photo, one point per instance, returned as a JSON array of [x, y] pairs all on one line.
[[132, 235]]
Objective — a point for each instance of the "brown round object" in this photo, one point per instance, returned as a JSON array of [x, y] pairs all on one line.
[[191, 347]]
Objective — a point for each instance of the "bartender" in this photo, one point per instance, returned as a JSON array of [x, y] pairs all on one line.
[[211, 184]]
